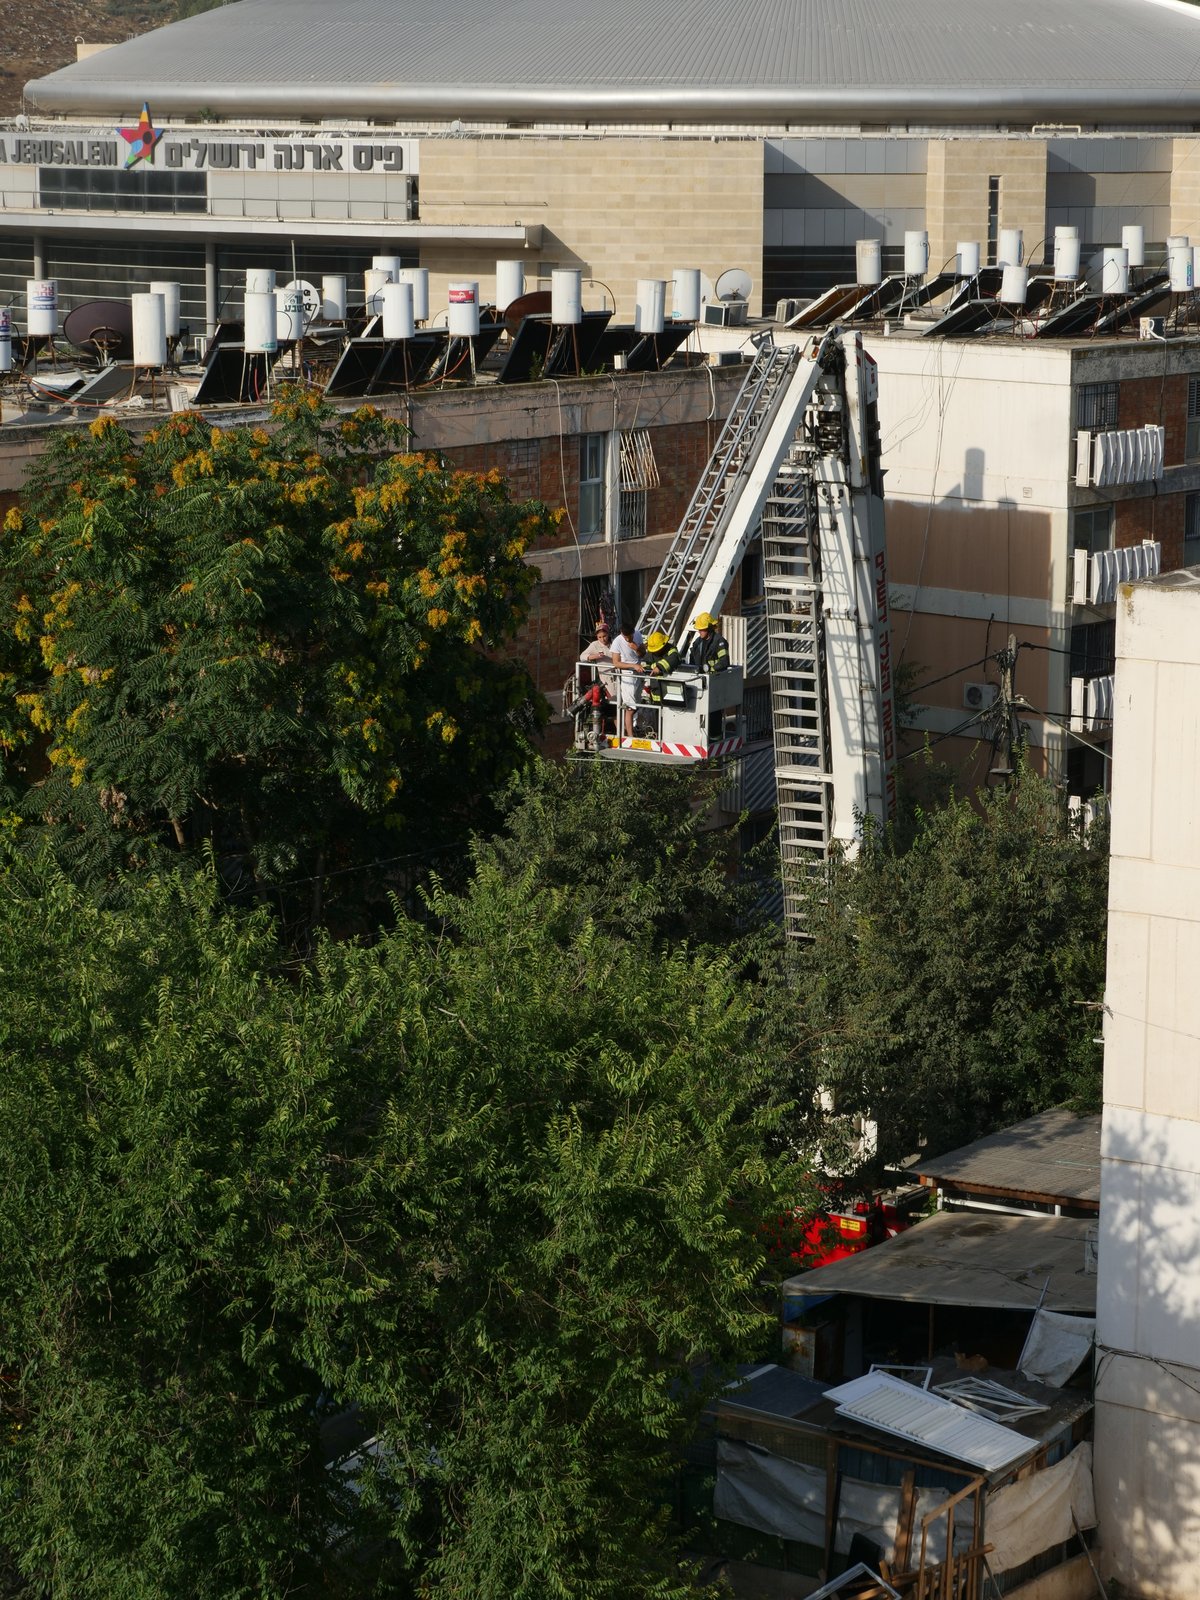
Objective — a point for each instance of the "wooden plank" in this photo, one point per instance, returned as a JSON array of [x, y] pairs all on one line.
[[904, 1521]]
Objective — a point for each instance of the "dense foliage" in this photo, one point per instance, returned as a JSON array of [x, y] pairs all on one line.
[[495, 1190], [277, 644], [950, 985]]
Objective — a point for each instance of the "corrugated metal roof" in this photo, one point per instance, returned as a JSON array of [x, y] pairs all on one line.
[[959, 1258], [697, 61], [1055, 1154], [910, 1413]]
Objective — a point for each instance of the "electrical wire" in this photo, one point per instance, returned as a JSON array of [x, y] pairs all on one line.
[[929, 682], [1069, 731], [952, 733]]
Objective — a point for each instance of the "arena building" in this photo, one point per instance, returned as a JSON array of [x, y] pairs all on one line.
[[627, 138]]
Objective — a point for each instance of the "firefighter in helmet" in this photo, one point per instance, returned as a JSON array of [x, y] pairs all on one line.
[[710, 652], [661, 658]]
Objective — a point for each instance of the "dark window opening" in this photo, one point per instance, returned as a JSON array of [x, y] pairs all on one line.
[[110, 189]]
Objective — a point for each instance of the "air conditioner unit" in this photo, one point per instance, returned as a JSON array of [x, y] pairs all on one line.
[[725, 313], [980, 696]]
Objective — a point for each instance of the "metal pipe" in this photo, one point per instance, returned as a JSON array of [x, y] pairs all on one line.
[[210, 287]]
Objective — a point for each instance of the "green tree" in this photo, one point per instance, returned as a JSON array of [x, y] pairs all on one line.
[[947, 984], [637, 848], [282, 644], [498, 1191]]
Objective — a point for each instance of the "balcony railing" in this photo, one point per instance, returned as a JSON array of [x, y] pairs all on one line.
[[1098, 576]]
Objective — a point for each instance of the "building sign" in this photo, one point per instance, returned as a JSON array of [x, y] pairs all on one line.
[[206, 149]]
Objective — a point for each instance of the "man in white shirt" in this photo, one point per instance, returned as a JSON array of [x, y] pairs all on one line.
[[627, 657]]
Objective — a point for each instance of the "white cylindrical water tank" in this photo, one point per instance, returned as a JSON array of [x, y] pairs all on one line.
[[648, 309], [566, 297], [333, 297], [261, 336], [419, 278], [1013, 284], [1179, 263], [1066, 255], [374, 279], [1195, 266], [868, 262], [41, 307], [510, 283], [260, 280], [5, 339], [916, 253], [398, 322], [290, 315], [1133, 237], [463, 316], [966, 253], [390, 264], [149, 331], [1011, 250], [685, 294], [650, 306], [170, 298], [1114, 269]]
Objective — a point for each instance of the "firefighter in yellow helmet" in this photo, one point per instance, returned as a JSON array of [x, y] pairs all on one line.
[[710, 652], [661, 658]]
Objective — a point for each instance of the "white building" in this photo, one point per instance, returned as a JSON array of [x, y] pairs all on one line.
[[1148, 1331]]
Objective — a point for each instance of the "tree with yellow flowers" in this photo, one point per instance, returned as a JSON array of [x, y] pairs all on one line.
[[284, 645]]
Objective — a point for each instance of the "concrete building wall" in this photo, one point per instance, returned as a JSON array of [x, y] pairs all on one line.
[[956, 202], [619, 208], [977, 449], [1148, 1359]]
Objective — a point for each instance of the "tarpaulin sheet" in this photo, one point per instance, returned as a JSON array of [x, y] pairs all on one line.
[[1034, 1514], [783, 1498], [1056, 1345]]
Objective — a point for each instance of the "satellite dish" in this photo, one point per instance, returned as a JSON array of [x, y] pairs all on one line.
[[104, 327], [312, 297], [536, 303], [734, 284]]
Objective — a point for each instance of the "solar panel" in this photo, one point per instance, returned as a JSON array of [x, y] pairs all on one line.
[[573, 350], [404, 363], [232, 376], [654, 350], [985, 285], [457, 360], [971, 317], [1151, 297], [355, 368], [931, 289], [1077, 316], [827, 307], [528, 349]]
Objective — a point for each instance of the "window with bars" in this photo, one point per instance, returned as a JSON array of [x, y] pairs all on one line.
[[639, 473], [1096, 406], [1092, 529], [1191, 445], [101, 189], [1191, 530], [631, 516], [591, 487], [993, 219], [1093, 649]]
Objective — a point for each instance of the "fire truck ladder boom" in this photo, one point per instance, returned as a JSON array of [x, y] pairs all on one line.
[[724, 512]]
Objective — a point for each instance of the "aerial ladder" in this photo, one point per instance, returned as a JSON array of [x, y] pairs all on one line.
[[797, 461]]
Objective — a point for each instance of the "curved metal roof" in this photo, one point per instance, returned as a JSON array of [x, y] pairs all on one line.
[[655, 61]]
